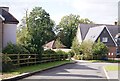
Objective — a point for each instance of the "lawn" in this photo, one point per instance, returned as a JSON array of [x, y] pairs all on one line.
[[108, 61], [112, 68], [32, 68]]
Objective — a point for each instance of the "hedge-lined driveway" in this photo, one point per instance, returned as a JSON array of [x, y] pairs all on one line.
[[80, 70]]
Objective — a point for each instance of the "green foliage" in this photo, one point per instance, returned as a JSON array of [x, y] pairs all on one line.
[[69, 24], [89, 50], [38, 30], [86, 48], [77, 57], [71, 53], [49, 51], [15, 49], [83, 50], [58, 43], [76, 47], [99, 50], [60, 52], [6, 66]]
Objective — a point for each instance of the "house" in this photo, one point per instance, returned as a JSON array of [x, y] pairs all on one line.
[[8, 26], [55, 45], [108, 34]]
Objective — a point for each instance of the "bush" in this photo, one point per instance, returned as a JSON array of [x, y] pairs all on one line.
[[77, 57], [99, 50], [49, 51], [71, 53], [6, 63], [60, 52], [15, 49], [86, 49]]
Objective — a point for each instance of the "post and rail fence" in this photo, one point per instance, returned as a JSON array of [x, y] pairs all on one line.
[[28, 59]]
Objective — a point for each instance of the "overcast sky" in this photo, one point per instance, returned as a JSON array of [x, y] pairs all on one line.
[[99, 11]]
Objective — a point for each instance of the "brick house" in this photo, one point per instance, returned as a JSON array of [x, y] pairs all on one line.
[[8, 26], [108, 34]]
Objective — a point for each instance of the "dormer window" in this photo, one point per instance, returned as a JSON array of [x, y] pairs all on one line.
[[104, 39]]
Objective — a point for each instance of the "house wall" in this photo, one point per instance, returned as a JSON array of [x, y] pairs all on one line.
[[106, 34], [9, 34], [110, 44], [112, 52], [0, 35], [78, 35]]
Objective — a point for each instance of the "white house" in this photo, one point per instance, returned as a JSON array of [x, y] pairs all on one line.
[[8, 26]]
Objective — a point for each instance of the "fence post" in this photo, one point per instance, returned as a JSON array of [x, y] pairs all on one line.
[[59, 57], [6, 58], [18, 59], [35, 58]]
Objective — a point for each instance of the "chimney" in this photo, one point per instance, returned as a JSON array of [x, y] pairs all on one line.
[[5, 8], [116, 23]]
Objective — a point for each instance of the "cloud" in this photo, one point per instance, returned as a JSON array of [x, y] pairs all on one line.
[[99, 11]]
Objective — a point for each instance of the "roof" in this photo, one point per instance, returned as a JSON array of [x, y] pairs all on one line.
[[93, 33], [85, 28], [49, 44], [52, 45], [9, 18]]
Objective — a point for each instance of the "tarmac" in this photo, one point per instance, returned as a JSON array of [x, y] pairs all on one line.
[[81, 70]]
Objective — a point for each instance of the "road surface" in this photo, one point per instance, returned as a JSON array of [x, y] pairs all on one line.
[[80, 70]]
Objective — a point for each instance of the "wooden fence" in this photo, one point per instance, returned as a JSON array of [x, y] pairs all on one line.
[[28, 59]]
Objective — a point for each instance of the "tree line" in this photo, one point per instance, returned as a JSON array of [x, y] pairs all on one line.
[[37, 28]]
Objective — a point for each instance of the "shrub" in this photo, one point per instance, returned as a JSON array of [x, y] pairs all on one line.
[[49, 51], [71, 53], [6, 63], [99, 50], [76, 47], [61, 52], [86, 49], [15, 49], [77, 57]]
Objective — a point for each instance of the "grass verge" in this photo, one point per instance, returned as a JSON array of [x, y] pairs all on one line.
[[106, 61], [33, 68], [112, 68]]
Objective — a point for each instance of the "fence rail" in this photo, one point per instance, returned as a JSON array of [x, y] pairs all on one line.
[[28, 59]]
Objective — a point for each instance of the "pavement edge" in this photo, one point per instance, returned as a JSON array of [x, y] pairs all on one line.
[[106, 72]]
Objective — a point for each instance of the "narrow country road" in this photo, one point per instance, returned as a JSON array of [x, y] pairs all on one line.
[[79, 70]]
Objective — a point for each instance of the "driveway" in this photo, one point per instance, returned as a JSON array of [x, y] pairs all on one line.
[[79, 70]]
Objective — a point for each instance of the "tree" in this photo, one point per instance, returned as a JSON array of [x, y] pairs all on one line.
[[99, 50], [86, 48], [38, 30], [69, 25], [76, 47], [83, 50]]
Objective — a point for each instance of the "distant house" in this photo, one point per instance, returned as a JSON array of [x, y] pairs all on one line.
[[108, 34], [8, 26], [55, 45]]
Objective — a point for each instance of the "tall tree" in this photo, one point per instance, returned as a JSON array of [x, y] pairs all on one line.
[[39, 29], [69, 25]]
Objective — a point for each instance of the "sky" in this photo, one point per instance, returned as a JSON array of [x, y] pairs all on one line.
[[98, 11]]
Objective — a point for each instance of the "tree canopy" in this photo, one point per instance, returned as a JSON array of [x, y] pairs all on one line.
[[69, 24], [38, 30]]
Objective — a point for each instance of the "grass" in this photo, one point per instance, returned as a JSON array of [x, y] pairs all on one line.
[[108, 61], [112, 68], [32, 68]]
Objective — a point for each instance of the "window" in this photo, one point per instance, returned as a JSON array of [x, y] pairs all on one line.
[[104, 39]]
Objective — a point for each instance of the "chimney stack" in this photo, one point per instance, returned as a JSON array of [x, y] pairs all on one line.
[[4, 8]]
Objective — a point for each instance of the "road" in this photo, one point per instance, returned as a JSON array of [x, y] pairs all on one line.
[[80, 70]]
